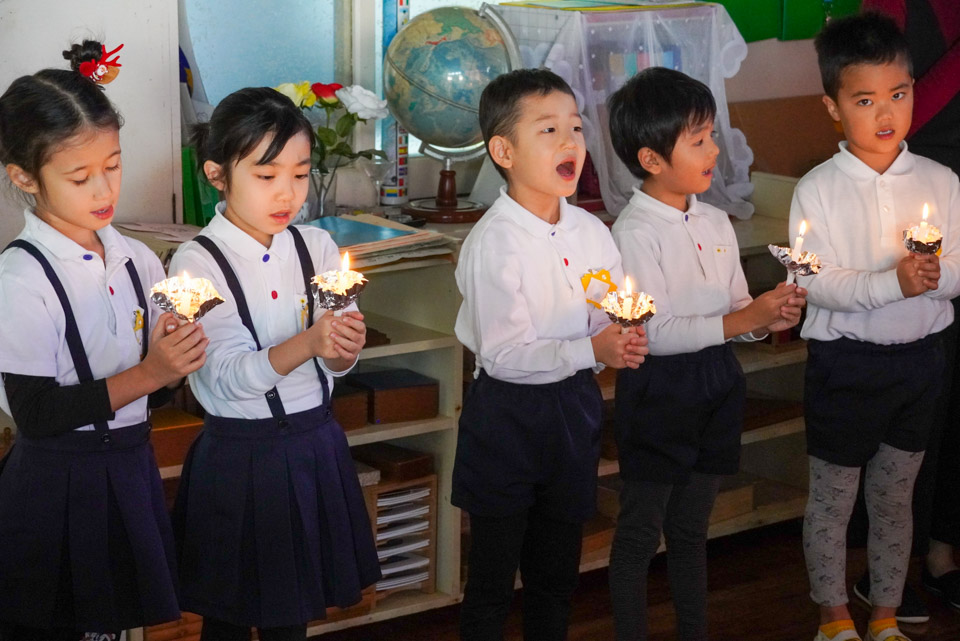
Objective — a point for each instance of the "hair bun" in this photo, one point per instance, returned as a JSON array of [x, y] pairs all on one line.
[[86, 51]]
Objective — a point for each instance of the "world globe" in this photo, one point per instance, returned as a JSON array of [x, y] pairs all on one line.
[[436, 68]]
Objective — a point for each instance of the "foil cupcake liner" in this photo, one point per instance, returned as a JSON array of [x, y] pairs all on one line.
[[631, 322], [917, 247], [163, 302], [808, 264], [335, 302]]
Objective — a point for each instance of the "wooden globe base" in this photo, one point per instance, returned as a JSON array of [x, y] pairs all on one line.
[[446, 207]]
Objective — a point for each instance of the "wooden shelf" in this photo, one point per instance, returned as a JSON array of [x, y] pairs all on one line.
[[775, 430], [756, 358], [608, 467], [396, 605], [386, 431], [774, 502], [404, 338]]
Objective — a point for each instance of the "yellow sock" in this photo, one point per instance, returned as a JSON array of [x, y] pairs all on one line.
[[834, 628], [879, 625]]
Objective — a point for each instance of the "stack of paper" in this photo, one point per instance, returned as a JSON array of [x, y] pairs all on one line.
[[403, 537]]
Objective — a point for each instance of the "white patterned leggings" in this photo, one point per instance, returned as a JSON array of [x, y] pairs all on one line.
[[888, 490]]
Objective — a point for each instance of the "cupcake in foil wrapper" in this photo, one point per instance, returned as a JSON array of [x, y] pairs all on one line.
[[640, 310], [931, 246], [189, 299], [808, 264], [336, 289]]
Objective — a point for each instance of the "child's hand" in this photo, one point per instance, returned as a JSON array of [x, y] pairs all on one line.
[[914, 272], [321, 337], [928, 268], [619, 350], [174, 354], [790, 313], [765, 310], [349, 335]]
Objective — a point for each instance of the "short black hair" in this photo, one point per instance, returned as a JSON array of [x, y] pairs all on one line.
[[241, 121], [39, 112], [652, 109], [500, 101], [866, 39]]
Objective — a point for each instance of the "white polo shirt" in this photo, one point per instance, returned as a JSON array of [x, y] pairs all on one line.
[[690, 263], [855, 221], [525, 314], [33, 329], [235, 377]]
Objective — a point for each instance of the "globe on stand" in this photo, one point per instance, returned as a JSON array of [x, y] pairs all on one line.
[[434, 71]]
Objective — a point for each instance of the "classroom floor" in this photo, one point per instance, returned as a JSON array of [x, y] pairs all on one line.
[[758, 592]]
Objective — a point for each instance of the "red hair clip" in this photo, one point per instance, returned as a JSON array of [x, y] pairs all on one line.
[[105, 69]]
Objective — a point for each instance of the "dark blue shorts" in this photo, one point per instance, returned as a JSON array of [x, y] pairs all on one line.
[[529, 447], [858, 395], [680, 413]]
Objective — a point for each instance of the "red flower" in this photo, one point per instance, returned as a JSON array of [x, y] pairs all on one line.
[[326, 93]]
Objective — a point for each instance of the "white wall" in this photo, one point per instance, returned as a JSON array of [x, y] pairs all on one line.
[[776, 69], [32, 35]]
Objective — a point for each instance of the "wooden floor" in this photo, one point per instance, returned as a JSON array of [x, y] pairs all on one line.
[[758, 592]]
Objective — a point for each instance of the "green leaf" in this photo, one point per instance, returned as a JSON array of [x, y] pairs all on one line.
[[326, 136], [345, 125], [343, 149]]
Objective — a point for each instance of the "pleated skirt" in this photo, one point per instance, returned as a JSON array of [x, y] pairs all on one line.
[[86, 538], [270, 522]]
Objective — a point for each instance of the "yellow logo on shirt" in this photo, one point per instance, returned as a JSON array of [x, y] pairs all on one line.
[[137, 324], [596, 285]]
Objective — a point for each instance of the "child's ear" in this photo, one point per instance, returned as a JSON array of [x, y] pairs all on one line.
[[214, 173], [501, 151], [22, 180], [831, 106], [649, 160]]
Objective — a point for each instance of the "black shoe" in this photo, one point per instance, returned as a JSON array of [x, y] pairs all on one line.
[[946, 586], [912, 608]]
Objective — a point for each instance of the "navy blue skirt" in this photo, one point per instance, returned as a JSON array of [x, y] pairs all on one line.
[[86, 539], [270, 523]]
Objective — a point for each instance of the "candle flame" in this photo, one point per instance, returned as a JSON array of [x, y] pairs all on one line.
[[803, 227], [345, 264], [185, 275], [926, 210], [627, 285]]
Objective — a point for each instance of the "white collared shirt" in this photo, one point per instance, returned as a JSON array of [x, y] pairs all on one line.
[[33, 330], [235, 377], [525, 314], [689, 262], [855, 221]]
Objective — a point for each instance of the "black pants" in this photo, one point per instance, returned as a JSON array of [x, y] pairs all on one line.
[[547, 552], [214, 630], [682, 513]]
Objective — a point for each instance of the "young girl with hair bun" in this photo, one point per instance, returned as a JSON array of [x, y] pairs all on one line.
[[87, 543]]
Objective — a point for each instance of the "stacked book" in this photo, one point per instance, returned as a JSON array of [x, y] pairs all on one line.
[[372, 240]]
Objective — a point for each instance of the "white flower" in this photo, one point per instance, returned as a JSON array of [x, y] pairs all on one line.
[[362, 102]]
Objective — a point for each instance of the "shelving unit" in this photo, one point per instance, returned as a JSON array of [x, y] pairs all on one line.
[[415, 305]]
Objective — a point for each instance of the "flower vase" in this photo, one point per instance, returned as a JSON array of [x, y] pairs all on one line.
[[323, 195]]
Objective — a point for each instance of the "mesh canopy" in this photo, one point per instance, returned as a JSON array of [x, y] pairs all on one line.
[[597, 51]]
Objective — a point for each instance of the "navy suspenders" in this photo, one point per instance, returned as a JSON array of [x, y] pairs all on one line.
[[74, 341], [272, 396]]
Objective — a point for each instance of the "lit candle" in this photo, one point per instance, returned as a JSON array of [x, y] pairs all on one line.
[[922, 234], [627, 300], [798, 243]]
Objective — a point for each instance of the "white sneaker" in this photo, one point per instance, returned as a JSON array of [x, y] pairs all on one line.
[[846, 635], [889, 634]]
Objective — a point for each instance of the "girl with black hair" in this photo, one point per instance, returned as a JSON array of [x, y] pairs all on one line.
[[88, 547], [270, 519]]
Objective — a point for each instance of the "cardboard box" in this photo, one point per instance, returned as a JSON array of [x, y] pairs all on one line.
[[173, 432], [398, 395]]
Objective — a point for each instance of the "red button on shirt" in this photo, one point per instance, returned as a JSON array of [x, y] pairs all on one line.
[[274, 294]]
